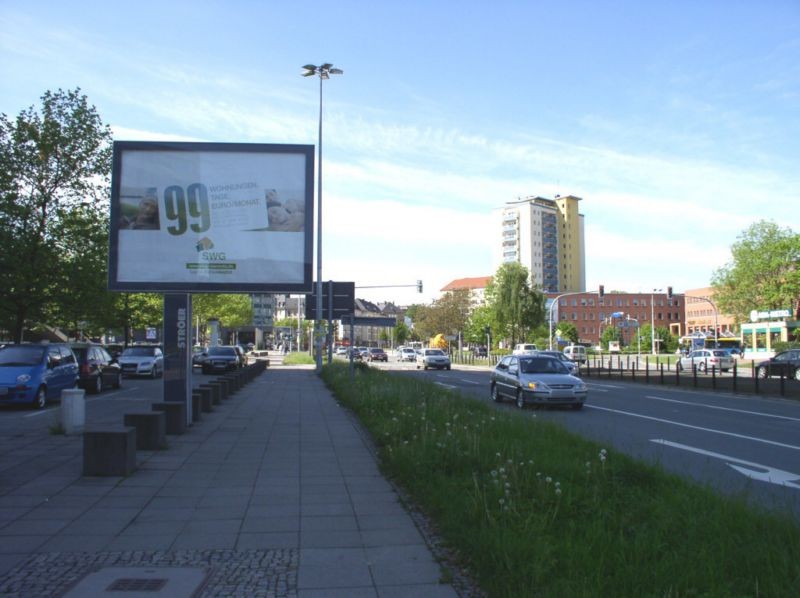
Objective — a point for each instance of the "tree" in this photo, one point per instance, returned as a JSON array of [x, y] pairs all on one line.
[[764, 272], [232, 310], [479, 320], [610, 333], [401, 333], [81, 303], [517, 309], [449, 314], [569, 331], [52, 163]]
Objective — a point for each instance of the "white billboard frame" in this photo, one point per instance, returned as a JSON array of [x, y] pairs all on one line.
[[211, 217]]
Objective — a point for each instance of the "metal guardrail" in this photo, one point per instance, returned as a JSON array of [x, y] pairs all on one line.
[[713, 379]]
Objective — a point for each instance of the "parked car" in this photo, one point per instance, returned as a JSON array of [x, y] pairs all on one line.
[[341, 350], [705, 360], [524, 349], [433, 358], [537, 380], [222, 358], [355, 353], [377, 354], [364, 352], [142, 361], [35, 374], [572, 366], [96, 368], [199, 355], [407, 354], [785, 363]]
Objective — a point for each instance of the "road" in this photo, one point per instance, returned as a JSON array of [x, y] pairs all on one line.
[[741, 445]]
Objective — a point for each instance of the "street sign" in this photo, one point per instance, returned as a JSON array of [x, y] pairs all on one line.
[[344, 298], [370, 321]]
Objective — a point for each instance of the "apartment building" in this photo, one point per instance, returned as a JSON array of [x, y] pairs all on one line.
[[547, 237]]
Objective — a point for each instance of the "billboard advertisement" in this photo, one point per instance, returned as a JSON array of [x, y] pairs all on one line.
[[211, 217]]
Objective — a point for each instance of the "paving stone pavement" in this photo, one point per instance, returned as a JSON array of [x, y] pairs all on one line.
[[275, 493]]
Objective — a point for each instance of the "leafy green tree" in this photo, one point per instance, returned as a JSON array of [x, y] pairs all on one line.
[[569, 331], [135, 311], [449, 313], [81, 303], [423, 321], [475, 329], [232, 310], [516, 308], [401, 333], [610, 333], [764, 272], [53, 161]]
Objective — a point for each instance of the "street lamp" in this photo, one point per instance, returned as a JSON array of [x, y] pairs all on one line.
[[324, 71]]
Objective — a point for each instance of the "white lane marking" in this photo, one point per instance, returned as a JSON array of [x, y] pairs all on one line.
[[701, 428], [761, 414], [42, 412], [755, 471], [595, 384], [471, 381]]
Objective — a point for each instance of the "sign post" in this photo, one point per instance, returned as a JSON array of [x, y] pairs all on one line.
[[177, 352], [208, 217]]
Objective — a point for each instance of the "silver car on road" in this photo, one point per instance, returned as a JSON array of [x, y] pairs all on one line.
[[536, 380]]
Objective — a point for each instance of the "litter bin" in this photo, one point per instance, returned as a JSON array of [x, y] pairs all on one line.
[[73, 410]]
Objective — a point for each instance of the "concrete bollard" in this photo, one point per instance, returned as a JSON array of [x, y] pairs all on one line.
[[73, 410]]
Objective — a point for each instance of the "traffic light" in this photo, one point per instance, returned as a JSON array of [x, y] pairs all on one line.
[[487, 330], [419, 286], [601, 291], [669, 292]]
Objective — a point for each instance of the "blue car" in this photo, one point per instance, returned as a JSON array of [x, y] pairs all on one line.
[[35, 374]]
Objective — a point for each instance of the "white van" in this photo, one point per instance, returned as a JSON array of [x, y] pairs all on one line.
[[524, 349], [576, 353]]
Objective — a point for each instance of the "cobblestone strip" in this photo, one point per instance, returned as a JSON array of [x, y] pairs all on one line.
[[267, 573]]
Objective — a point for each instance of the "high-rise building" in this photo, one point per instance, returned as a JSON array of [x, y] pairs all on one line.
[[545, 236]]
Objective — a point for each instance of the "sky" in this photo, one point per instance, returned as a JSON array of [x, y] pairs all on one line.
[[675, 122]]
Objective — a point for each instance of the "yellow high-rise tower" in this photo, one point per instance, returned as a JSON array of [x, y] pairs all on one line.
[[546, 236]]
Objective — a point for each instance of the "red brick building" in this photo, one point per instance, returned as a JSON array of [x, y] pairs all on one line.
[[590, 313]]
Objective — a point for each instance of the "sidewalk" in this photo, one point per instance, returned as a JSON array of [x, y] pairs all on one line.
[[275, 493]]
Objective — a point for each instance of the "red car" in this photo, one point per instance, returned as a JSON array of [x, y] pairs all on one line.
[[376, 354]]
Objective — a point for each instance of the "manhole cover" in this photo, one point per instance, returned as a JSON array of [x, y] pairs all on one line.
[[140, 582]]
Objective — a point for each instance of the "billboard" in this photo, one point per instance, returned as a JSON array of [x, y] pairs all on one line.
[[211, 217]]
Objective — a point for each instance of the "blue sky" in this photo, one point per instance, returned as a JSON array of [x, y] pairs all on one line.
[[676, 122]]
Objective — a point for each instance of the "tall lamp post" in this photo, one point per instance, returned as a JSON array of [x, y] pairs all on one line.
[[324, 71]]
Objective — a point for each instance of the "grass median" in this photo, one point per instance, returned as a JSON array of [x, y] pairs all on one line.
[[532, 509]]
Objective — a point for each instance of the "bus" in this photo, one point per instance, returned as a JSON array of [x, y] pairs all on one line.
[[701, 340]]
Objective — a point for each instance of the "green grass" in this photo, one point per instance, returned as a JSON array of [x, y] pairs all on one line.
[[298, 359], [534, 510]]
